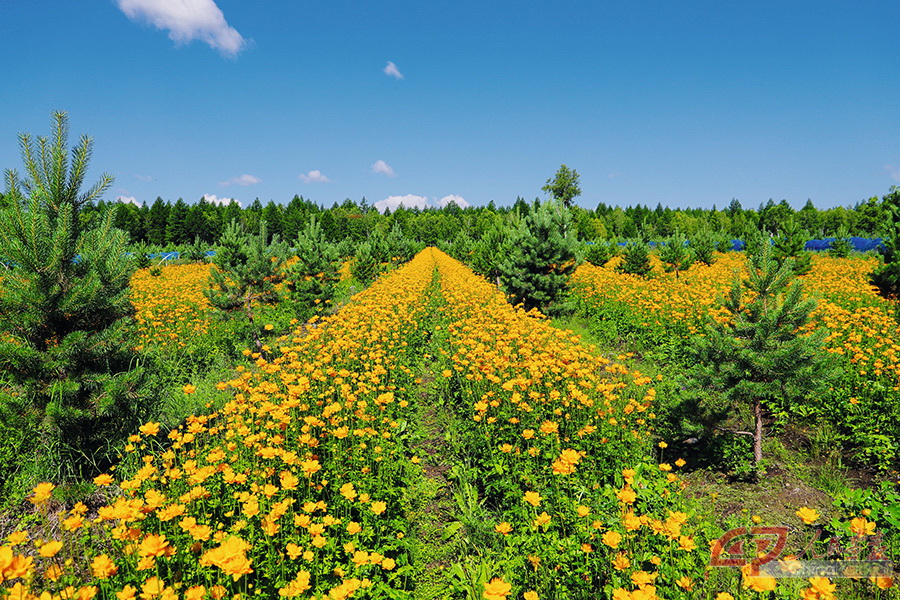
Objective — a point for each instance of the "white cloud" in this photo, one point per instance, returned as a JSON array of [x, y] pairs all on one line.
[[187, 20], [420, 202], [315, 176], [211, 198], [391, 70], [242, 180], [144, 177], [379, 166], [459, 200], [893, 171], [129, 199], [408, 201]]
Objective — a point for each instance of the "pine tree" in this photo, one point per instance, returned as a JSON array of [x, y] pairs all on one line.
[[675, 254], [886, 277], [600, 252], [247, 270], [312, 279], [69, 389], [758, 357], [790, 246], [535, 272], [636, 259], [704, 245]]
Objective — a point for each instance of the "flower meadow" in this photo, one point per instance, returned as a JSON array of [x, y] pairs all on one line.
[[296, 486], [863, 334]]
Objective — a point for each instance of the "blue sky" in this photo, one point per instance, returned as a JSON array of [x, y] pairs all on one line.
[[685, 103]]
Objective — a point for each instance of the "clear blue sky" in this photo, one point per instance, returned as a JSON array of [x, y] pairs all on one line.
[[685, 103]]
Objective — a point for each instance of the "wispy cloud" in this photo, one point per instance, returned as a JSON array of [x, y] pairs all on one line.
[[408, 201], [213, 199], [315, 176], [242, 180], [379, 166], [144, 177], [420, 202], [459, 200], [187, 20], [893, 171], [391, 70], [129, 199]]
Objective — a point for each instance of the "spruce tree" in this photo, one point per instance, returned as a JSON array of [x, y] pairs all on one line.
[[69, 389], [758, 357]]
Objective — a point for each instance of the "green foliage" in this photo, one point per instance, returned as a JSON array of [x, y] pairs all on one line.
[[704, 245], [757, 357], [311, 280], [248, 268], [887, 276], [491, 249], [636, 259], [841, 247], [139, 256], [370, 259], [564, 186], [70, 384], [540, 259], [601, 252], [365, 267], [195, 252], [675, 254], [790, 244]]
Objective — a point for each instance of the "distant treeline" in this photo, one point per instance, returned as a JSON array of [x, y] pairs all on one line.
[[163, 223]]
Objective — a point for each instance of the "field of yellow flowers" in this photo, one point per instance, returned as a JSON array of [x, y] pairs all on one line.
[[295, 487], [863, 334]]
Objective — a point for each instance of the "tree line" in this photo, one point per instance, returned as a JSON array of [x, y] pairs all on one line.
[[165, 223]]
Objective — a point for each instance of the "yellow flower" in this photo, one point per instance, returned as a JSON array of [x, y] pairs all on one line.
[[496, 589], [189, 389], [612, 539], [50, 549], [808, 515], [626, 495], [685, 583], [42, 493], [378, 507], [503, 528], [149, 429], [620, 562], [103, 567], [103, 479], [860, 526], [532, 498], [541, 519]]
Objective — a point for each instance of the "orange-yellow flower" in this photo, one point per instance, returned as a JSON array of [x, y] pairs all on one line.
[[808, 515], [496, 589], [42, 493], [612, 539], [103, 479], [532, 498], [51, 549], [103, 567]]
